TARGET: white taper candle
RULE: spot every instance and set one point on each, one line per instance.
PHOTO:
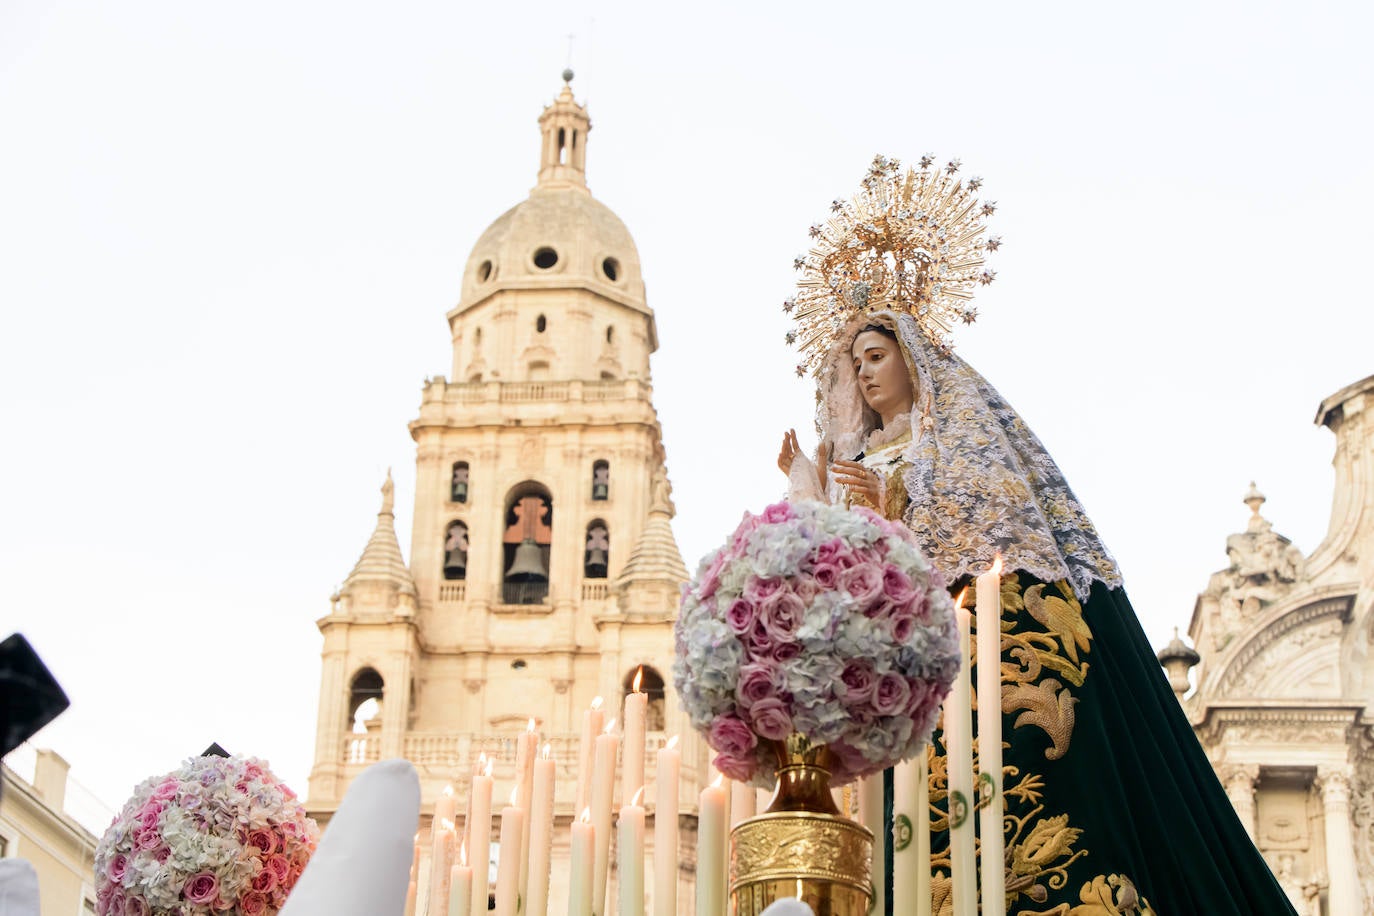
(541, 835)
(958, 721)
(665, 828)
(991, 865)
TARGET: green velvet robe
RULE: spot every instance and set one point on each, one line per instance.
(1111, 805)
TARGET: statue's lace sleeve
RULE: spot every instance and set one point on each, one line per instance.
(804, 481)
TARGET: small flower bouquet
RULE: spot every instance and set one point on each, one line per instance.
(220, 835)
(818, 621)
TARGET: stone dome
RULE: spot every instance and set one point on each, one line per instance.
(560, 236)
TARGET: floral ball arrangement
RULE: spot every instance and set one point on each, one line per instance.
(220, 835)
(817, 620)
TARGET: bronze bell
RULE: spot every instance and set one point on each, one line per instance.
(596, 563)
(528, 565)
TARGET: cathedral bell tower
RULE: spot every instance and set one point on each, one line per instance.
(543, 568)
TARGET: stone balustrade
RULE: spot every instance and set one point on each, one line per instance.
(445, 753)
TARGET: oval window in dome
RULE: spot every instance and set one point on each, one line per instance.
(611, 268)
(484, 271)
(545, 258)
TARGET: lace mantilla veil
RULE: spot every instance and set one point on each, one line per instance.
(979, 481)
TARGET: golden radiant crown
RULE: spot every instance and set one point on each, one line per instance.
(907, 242)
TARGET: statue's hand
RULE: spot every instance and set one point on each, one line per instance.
(790, 449)
(858, 479)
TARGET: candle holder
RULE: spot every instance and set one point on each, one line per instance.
(801, 845)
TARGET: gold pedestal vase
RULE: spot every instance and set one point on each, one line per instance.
(801, 845)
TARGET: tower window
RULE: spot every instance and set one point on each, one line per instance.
(545, 258)
(610, 333)
(456, 551)
(596, 556)
(366, 686)
(611, 268)
(526, 544)
(484, 271)
(541, 324)
(458, 486)
(601, 480)
(562, 146)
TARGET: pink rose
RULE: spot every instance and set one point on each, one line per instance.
(864, 584)
(806, 589)
(784, 652)
(280, 866)
(891, 694)
(759, 590)
(897, 585)
(771, 719)
(252, 904)
(778, 512)
(920, 607)
(148, 839)
(849, 559)
(760, 641)
(903, 624)
(740, 616)
(732, 736)
(740, 769)
(756, 682)
(264, 881)
(827, 552)
(781, 615)
(925, 695)
(263, 839)
(135, 906)
(855, 686)
(827, 574)
(118, 866)
(162, 853)
(166, 790)
(201, 889)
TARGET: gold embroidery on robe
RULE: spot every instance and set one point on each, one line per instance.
(1045, 665)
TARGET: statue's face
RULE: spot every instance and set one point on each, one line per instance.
(883, 377)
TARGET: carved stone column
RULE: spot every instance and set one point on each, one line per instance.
(1344, 891)
(1239, 780)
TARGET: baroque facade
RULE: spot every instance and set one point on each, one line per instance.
(1285, 677)
(543, 571)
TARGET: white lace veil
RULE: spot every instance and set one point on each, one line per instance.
(979, 481)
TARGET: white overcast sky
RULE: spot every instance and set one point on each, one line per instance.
(229, 233)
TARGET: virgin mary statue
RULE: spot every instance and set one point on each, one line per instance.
(1111, 805)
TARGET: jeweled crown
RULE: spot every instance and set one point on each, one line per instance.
(908, 242)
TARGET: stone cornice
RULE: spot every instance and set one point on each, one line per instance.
(1220, 716)
(20, 794)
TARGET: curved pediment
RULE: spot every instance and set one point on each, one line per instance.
(1294, 655)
